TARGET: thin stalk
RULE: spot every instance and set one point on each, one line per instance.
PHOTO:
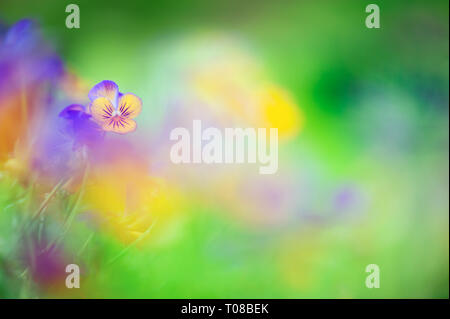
(72, 212)
(46, 201)
(126, 249)
(85, 244)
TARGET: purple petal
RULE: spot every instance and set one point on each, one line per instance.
(107, 89)
(72, 111)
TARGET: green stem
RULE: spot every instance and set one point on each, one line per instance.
(47, 200)
(72, 212)
(85, 244)
(126, 249)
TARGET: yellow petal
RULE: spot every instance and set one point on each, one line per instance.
(120, 125)
(102, 110)
(129, 106)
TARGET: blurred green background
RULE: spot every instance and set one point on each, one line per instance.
(375, 103)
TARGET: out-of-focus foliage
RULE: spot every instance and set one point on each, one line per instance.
(363, 153)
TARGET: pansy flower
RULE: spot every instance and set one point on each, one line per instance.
(112, 110)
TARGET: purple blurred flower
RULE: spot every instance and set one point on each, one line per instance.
(46, 264)
(64, 144)
(348, 200)
(79, 126)
(29, 73)
(26, 59)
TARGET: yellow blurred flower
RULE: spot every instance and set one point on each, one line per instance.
(127, 200)
(279, 110)
(235, 88)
